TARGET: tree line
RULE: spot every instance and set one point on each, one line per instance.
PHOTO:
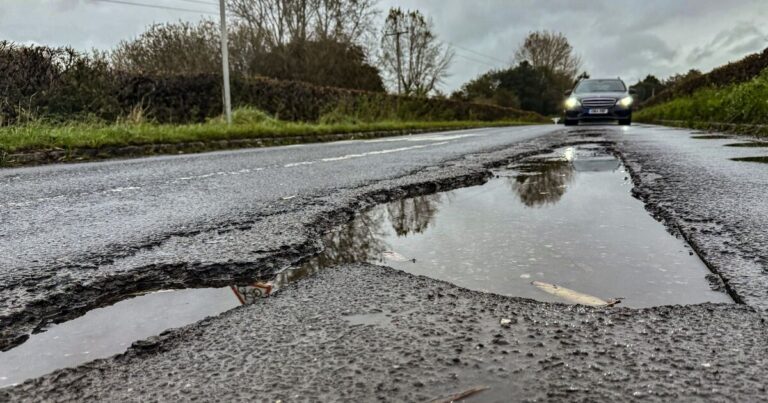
(546, 66)
(334, 43)
(337, 43)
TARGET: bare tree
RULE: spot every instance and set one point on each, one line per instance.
(171, 48)
(345, 20)
(550, 50)
(411, 54)
(279, 22)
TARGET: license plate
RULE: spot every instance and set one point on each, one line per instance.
(598, 111)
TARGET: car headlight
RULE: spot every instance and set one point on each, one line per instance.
(625, 102)
(571, 103)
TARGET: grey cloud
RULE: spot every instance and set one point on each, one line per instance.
(742, 39)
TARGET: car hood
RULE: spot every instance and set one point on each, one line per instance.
(616, 95)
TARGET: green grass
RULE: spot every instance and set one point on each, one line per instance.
(745, 104)
(247, 124)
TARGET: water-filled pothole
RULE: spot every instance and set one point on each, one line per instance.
(561, 227)
(567, 219)
(107, 331)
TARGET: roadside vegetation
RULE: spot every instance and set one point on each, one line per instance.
(248, 123)
(731, 98)
(682, 85)
(739, 108)
(297, 70)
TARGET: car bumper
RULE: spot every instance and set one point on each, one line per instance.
(583, 114)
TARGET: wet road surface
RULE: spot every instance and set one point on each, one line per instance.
(717, 202)
(99, 230)
(545, 344)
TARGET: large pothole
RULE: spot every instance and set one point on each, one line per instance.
(560, 227)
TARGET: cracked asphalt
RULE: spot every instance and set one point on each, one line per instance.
(80, 236)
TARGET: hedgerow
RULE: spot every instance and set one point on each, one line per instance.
(744, 103)
(59, 84)
(729, 74)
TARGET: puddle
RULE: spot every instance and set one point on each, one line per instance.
(750, 144)
(111, 330)
(566, 220)
(763, 160)
(711, 137)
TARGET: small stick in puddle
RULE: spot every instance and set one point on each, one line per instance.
(461, 395)
(396, 257)
(574, 296)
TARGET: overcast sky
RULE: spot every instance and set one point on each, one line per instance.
(627, 38)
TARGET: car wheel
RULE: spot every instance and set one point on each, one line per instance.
(570, 122)
(625, 122)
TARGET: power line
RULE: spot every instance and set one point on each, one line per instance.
(477, 61)
(129, 3)
(208, 3)
(478, 53)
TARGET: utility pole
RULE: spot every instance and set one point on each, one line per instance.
(225, 61)
(399, 57)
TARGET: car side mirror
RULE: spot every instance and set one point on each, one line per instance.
(632, 91)
(568, 93)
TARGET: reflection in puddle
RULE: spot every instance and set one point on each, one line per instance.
(565, 219)
(542, 183)
(763, 160)
(111, 330)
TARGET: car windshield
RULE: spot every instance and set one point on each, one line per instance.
(600, 86)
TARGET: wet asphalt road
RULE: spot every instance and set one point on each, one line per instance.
(68, 230)
(61, 213)
(68, 227)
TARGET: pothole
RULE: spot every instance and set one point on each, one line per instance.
(111, 330)
(560, 227)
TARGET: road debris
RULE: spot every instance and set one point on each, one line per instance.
(461, 395)
(395, 257)
(571, 295)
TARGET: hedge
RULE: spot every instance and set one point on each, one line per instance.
(731, 73)
(60, 84)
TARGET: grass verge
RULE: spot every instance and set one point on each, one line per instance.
(40, 137)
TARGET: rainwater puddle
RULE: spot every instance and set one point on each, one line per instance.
(564, 228)
(111, 330)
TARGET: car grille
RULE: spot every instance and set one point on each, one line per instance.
(598, 102)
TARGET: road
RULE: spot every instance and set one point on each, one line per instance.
(62, 222)
(77, 236)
